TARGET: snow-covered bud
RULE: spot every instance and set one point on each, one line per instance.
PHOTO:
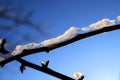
(45, 63)
(118, 18)
(78, 76)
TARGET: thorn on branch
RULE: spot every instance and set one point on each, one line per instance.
(22, 68)
(45, 64)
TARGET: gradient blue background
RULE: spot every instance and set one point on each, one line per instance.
(97, 57)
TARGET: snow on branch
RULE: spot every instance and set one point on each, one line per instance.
(78, 76)
(101, 24)
(98, 25)
(20, 48)
(70, 36)
(70, 33)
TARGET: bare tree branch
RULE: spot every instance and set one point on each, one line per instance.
(45, 70)
(49, 48)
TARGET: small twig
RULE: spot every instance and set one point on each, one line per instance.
(45, 70)
(2, 47)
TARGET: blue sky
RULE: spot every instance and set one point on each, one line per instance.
(97, 57)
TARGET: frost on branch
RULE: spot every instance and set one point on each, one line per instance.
(98, 25)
